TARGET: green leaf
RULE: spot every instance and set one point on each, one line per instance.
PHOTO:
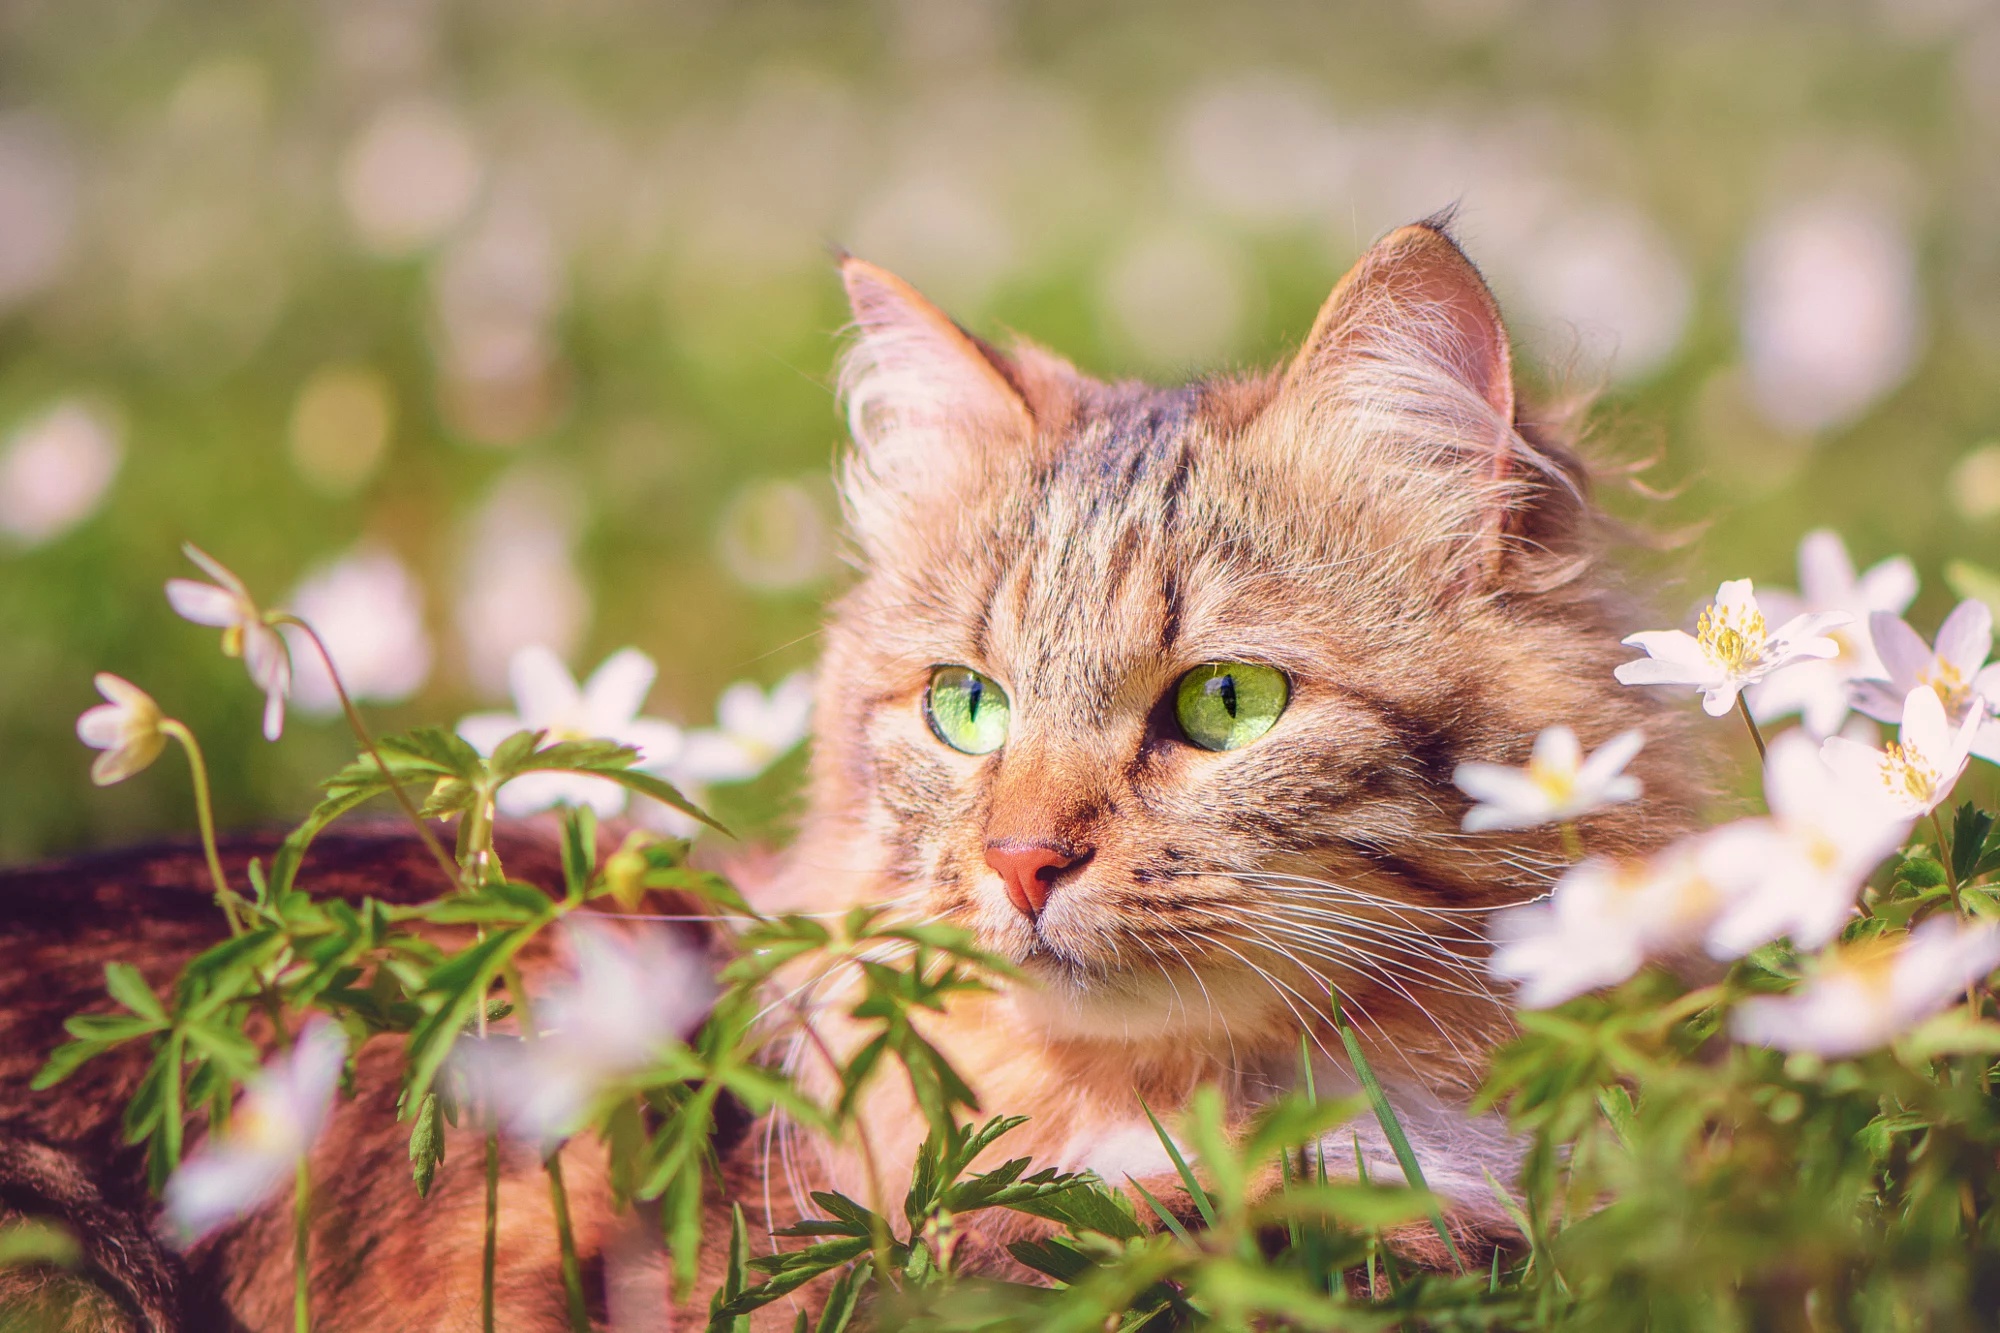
(130, 989)
(1970, 827)
(37, 1242)
(660, 790)
(1161, 1211)
(579, 849)
(1367, 1207)
(426, 1144)
(66, 1059)
(457, 986)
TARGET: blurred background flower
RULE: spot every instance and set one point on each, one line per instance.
(531, 302)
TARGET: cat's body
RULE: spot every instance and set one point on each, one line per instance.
(1377, 521)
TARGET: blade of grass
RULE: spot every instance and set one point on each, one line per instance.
(1172, 1223)
(1392, 1128)
(1201, 1200)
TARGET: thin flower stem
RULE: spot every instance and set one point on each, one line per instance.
(361, 734)
(301, 1249)
(492, 1249)
(225, 897)
(1944, 860)
(1743, 707)
(572, 1271)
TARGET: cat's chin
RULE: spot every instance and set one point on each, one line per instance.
(1068, 1001)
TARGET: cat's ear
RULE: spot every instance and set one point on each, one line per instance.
(922, 394)
(1407, 375)
(1414, 295)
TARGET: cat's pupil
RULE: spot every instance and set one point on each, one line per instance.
(1225, 686)
(973, 691)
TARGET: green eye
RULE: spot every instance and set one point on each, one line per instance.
(966, 710)
(1226, 705)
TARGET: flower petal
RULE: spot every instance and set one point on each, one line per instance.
(1557, 750)
(101, 727)
(1611, 757)
(544, 691)
(1905, 655)
(216, 570)
(617, 689)
(1965, 640)
(1826, 572)
(203, 603)
(484, 731)
(1925, 728)
(1888, 586)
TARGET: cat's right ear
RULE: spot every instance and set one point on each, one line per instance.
(925, 399)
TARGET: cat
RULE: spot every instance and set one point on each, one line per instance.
(1159, 692)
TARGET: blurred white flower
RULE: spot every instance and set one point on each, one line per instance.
(226, 604)
(1957, 671)
(774, 535)
(369, 610)
(521, 584)
(1820, 690)
(1831, 315)
(410, 177)
(127, 729)
(1732, 647)
(55, 471)
(1261, 148)
(1799, 871)
(756, 730)
(1601, 922)
(631, 995)
(1975, 479)
(1915, 772)
(1864, 995)
(271, 1129)
(606, 707)
(1558, 783)
(941, 231)
(1608, 277)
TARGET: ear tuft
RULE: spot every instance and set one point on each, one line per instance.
(1415, 294)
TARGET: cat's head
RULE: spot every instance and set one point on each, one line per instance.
(1160, 690)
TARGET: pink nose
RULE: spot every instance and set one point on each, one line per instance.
(1029, 871)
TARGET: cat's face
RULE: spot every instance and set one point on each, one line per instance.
(1161, 691)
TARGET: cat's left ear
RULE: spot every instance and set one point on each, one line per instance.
(1414, 296)
(1407, 369)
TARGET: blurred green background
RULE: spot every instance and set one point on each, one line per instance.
(527, 303)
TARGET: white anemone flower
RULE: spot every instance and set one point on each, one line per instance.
(1915, 772)
(605, 707)
(631, 996)
(1732, 647)
(1819, 690)
(227, 605)
(1601, 923)
(368, 609)
(1558, 783)
(127, 729)
(1863, 996)
(755, 731)
(270, 1131)
(1799, 872)
(1957, 670)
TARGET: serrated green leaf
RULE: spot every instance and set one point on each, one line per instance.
(426, 1144)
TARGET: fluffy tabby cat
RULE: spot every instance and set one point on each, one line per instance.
(1159, 691)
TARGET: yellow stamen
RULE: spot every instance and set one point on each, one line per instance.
(1948, 682)
(1905, 771)
(1733, 636)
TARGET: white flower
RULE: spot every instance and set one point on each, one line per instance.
(55, 470)
(1917, 770)
(1819, 690)
(273, 1126)
(369, 611)
(227, 605)
(1798, 872)
(127, 729)
(1864, 995)
(1956, 671)
(631, 995)
(756, 731)
(1731, 647)
(1558, 783)
(546, 698)
(1601, 922)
